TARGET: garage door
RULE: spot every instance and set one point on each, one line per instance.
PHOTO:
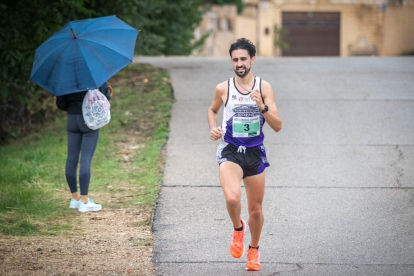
(312, 33)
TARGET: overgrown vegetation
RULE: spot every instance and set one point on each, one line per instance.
(166, 26)
(280, 37)
(238, 3)
(408, 53)
(126, 169)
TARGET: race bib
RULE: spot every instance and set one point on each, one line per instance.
(246, 126)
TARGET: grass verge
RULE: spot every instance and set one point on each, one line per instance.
(126, 168)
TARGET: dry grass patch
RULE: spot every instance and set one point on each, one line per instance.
(126, 173)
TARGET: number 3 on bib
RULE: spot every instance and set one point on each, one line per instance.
(246, 126)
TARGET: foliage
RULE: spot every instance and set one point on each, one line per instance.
(34, 196)
(395, 2)
(238, 3)
(166, 26)
(280, 38)
(408, 53)
(25, 25)
(172, 32)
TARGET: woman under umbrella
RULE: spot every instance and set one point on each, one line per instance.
(81, 141)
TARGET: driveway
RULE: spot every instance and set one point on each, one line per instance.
(339, 197)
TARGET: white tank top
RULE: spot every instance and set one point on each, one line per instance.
(242, 120)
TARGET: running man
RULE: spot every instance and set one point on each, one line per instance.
(248, 103)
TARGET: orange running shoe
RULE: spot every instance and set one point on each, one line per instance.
(237, 242)
(253, 260)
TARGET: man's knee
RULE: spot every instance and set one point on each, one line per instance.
(256, 212)
(233, 199)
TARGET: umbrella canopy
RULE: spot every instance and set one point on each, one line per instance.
(83, 55)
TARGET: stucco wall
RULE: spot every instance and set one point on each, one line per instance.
(246, 27)
(398, 31)
(366, 27)
(265, 29)
(356, 21)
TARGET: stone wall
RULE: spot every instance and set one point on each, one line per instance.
(220, 22)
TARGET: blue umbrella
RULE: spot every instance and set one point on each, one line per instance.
(83, 55)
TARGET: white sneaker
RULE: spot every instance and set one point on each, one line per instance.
(89, 207)
(74, 204)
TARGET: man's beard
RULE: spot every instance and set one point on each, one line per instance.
(246, 71)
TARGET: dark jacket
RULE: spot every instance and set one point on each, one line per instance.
(72, 103)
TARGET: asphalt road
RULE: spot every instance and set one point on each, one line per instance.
(340, 188)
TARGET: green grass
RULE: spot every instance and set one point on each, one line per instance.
(126, 168)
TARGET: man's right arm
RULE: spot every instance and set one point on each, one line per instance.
(215, 131)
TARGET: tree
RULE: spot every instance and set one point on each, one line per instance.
(26, 24)
(238, 3)
(280, 37)
(166, 26)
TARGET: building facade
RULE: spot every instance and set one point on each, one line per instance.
(312, 27)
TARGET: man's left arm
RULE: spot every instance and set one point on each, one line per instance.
(272, 115)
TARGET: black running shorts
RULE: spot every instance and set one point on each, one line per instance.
(253, 160)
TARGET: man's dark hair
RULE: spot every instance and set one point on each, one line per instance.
(245, 44)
